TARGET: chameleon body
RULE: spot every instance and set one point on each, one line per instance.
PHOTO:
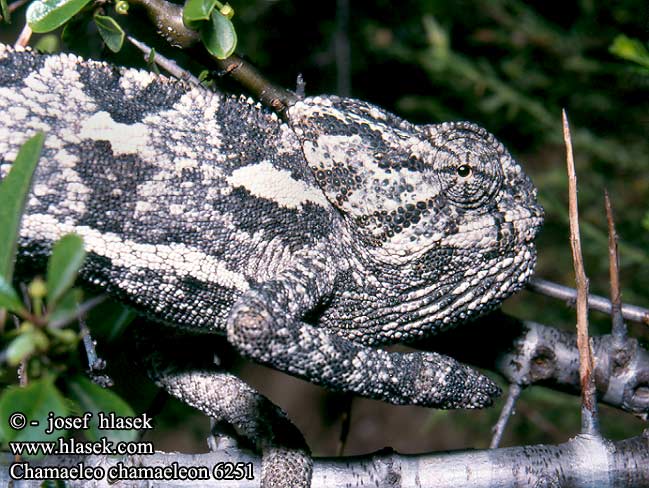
(307, 242)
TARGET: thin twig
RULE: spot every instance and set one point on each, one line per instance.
(168, 19)
(95, 363)
(589, 421)
(619, 327)
(13, 6)
(595, 302)
(23, 378)
(505, 414)
(24, 37)
(165, 63)
(277, 98)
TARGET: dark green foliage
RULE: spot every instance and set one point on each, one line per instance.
(67, 257)
(34, 401)
(4, 12)
(47, 15)
(110, 32)
(218, 36)
(13, 195)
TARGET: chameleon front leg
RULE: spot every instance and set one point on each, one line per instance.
(286, 459)
(266, 324)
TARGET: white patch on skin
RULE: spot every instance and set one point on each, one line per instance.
(287, 143)
(479, 233)
(123, 138)
(40, 190)
(176, 258)
(175, 209)
(135, 79)
(176, 133)
(64, 158)
(149, 193)
(143, 206)
(277, 185)
(36, 84)
(16, 114)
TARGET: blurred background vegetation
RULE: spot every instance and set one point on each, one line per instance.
(510, 66)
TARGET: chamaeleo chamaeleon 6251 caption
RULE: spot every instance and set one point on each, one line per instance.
(307, 242)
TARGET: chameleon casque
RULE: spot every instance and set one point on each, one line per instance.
(308, 241)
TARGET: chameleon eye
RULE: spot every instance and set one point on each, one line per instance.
(468, 167)
(464, 170)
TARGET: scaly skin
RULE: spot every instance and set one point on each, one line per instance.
(307, 242)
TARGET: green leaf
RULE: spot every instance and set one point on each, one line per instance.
(20, 348)
(631, 50)
(25, 345)
(195, 12)
(93, 398)
(14, 189)
(4, 11)
(40, 339)
(8, 297)
(63, 265)
(218, 36)
(110, 31)
(150, 61)
(34, 401)
(47, 15)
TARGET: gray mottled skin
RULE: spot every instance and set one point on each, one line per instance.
(307, 243)
(286, 460)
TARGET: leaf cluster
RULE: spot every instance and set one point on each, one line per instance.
(211, 18)
(44, 342)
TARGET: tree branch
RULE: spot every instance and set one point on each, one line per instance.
(528, 353)
(589, 417)
(595, 302)
(505, 414)
(167, 17)
(167, 64)
(619, 327)
(582, 461)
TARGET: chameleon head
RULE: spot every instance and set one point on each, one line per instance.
(444, 203)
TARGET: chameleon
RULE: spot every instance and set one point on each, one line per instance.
(309, 241)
